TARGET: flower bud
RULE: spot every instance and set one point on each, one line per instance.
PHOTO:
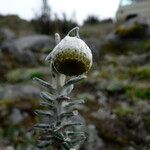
(71, 56)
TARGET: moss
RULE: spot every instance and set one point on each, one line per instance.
(37, 74)
(86, 96)
(124, 111)
(114, 87)
(135, 93)
(146, 120)
(1, 134)
(114, 47)
(18, 137)
(143, 93)
(125, 46)
(104, 74)
(136, 30)
(141, 72)
(7, 103)
(25, 74)
(142, 46)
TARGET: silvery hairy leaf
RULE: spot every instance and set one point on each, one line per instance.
(74, 80)
(48, 97)
(66, 90)
(45, 84)
(43, 113)
(43, 144)
(41, 126)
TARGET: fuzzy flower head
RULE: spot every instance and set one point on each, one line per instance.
(71, 56)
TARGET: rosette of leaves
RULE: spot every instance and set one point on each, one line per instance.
(63, 129)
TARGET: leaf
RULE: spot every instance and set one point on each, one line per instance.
(46, 138)
(66, 146)
(59, 136)
(63, 127)
(48, 97)
(74, 80)
(43, 113)
(43, 144)
(51, 106)
(67, 89)
(63, 98)
(78, 140)
(45, 84)
(68, 114)
(73, 104)
(70, 133)
(41, 126)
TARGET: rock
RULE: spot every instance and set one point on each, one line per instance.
(19, 92)
(6, 35)
(21, 51)
(27, 58)
(110, 37)
(93, 140)
(16, 117)
(136, 59)
(136, 28)
(138, 19)
(9, 148)
(13, 57)
(33, 42)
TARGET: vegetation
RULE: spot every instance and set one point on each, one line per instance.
(117, 90)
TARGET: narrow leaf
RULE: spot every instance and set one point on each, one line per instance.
(73, 104)
(63, 98)
(69, 133)
(63, 127)
(41, 126)
(68, 114)
(59, 136)
(78, 140)
(66, 90)
(48, 97)
(75, 80)
(51, 106)
(46, 138)
(43, 144)
(66, 146)
(44, 84)
(43, 113)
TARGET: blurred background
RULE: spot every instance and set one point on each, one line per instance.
(117, 90)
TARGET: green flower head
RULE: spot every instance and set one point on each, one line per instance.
(71, 56)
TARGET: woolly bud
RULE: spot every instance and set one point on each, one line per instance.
(71, 56)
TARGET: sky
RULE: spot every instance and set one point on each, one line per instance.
(77, 10)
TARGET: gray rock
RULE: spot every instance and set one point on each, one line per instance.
(33, 42)
(21, 51)
(93, 140)
(138, 19)
(136, 59)
(111, 37)
(17, 92)
(16, 116)
(6, 35)
(9, 148)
